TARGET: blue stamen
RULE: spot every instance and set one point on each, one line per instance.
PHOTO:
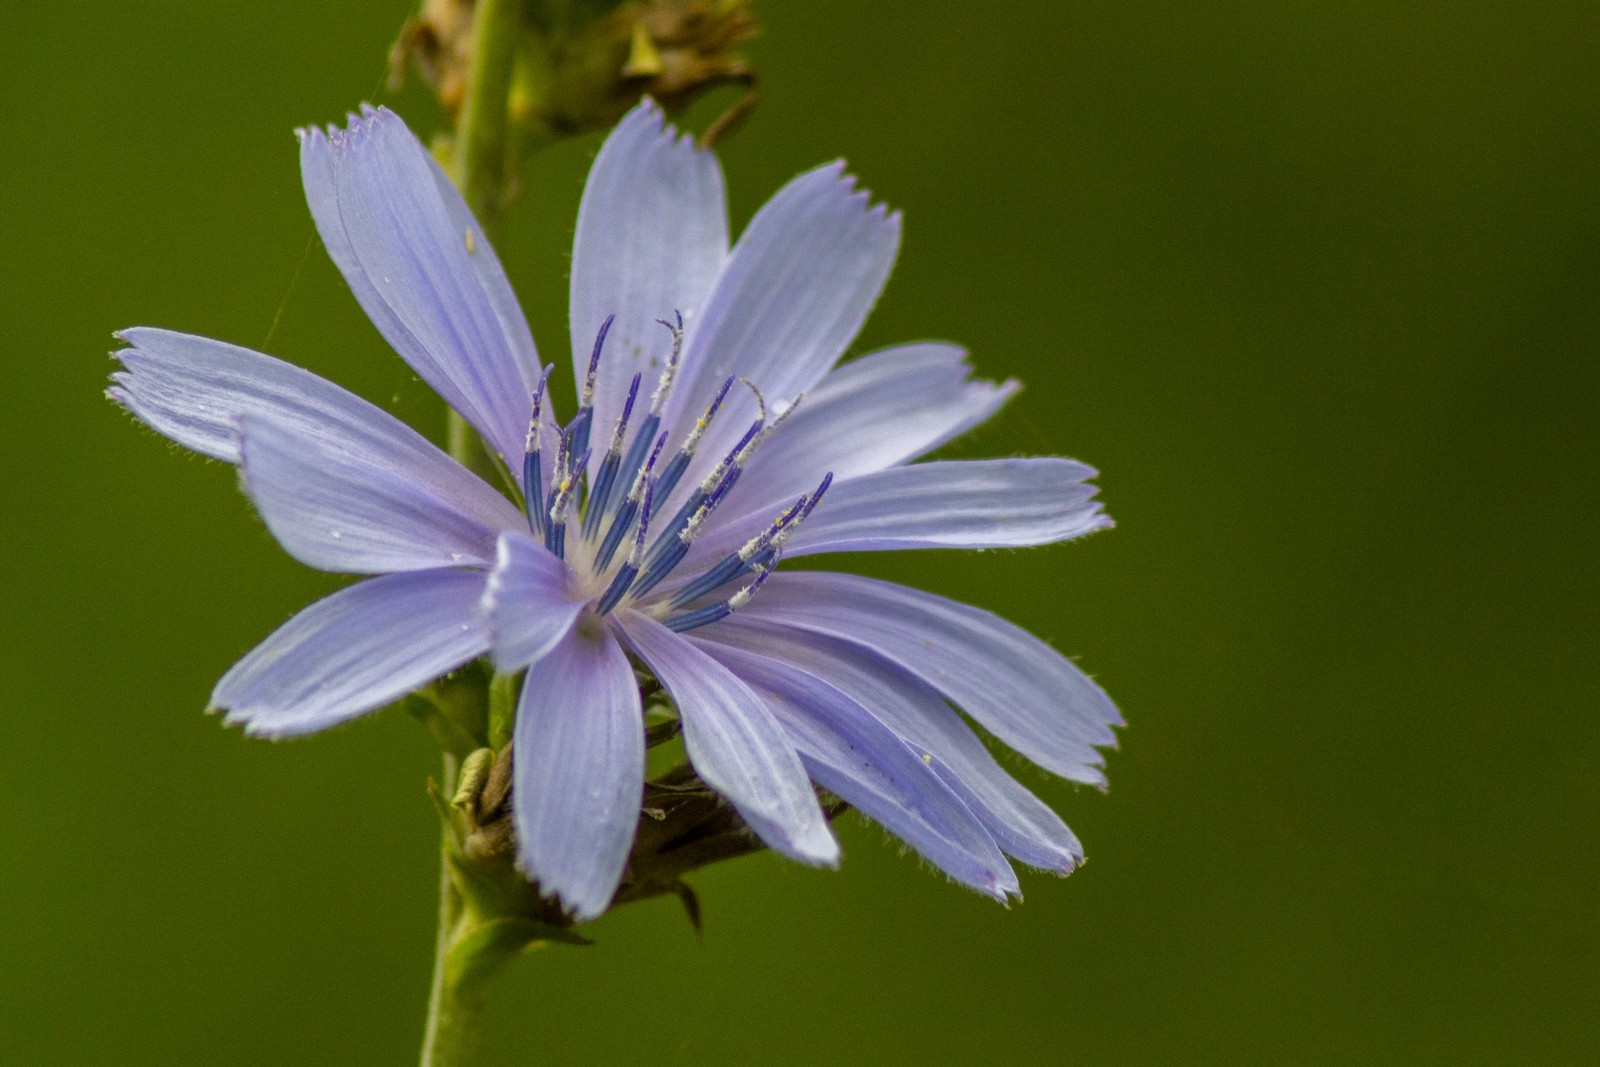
(757, 551)
(558, 472)
(680, 462)
(713, 485)
(533, 490)
(600, 495)
(630, 568)
(532, 474)
(731, 567)
(737, 563)
(585, 416)
(634, 461)
(673, 554)
(669, 373)
(562, 494)
(675, 468)
(577, 432)
(630, 505)
(675, 527)
(661, 566)
(722, 609)
(698, 617)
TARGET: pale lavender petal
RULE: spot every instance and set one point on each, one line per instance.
(492, 280)
(994, 503)
(652, 234)
(791, 297)
(578, 770)
(850, 752)
(422, 269)
(1012, 683)
(340, 511)
(529, 602)
(193, 390)
(735, 744)
(357, 650)
(972, 504)
(1022, 824)
(881, 410)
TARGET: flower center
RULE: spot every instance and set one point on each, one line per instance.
(618, 505)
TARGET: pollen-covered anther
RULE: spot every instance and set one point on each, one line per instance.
(532, 474)
(755, 552)
(681, 461)
(530, 443)
(770, 427)
(722, 609)
(635, 458)
(581, 423)
(562, 493)
(781, 536)
(586, 395)
(703, 423)
(761, 401)
(713, 487)
(669, 373)
(762, 540)
(620, 433)
(691, 529)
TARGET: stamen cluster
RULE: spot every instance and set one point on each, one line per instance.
(571, 496)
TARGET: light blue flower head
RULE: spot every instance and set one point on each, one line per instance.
(715, 433)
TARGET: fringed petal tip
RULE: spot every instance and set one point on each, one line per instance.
(648, 117)
(264, 723)
(365, 116)
(396, 229)
(261, 730)
(854, 193)
(1099, 519)
(1001, 893)
(999, 883)
(325, 137)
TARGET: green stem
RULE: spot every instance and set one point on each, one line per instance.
(478, 162)
(441, 1033)
(478, 168)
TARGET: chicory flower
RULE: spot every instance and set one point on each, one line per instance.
(715, 434)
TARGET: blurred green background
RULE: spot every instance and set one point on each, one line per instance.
(1313, 284)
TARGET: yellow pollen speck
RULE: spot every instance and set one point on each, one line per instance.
(472, 243)
(927, 757)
